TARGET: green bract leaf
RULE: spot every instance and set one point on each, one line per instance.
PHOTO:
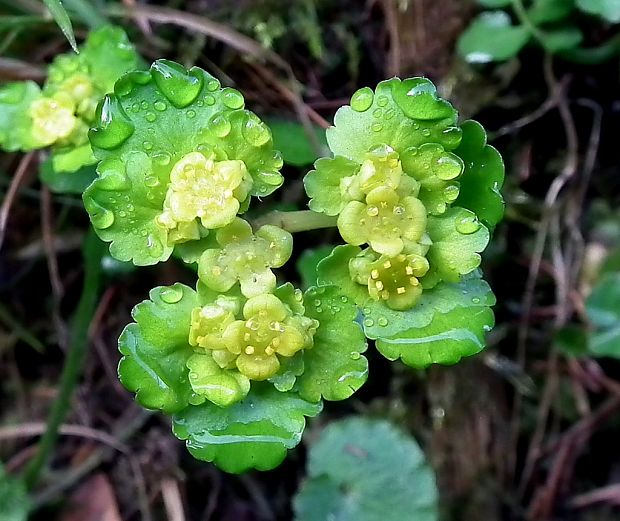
(13, 498)
(323, 183)
(253, 433)
(400, 114)
(367, 470)
(156, 349)
(290, 138)
(162, 132)
(492, 37)
(607, 9)
(603, 307)
(333, 368)
(457, 240)
(483, 176)
(15, 123)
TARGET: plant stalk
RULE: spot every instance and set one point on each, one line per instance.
(74, 362)
(298, 221)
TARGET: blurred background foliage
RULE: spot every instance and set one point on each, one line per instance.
(527, 430)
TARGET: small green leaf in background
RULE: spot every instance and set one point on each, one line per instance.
(14, 503)
(603, 308)
(494, 4)
(362, 469)
(307, 263)
(492, 37)
(548, 11)
(62, 19)
(562, 39)
(291, 139)
(607, 9)
(62, 182)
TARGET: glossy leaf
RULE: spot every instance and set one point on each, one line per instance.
(457, 240)
(334, 367)
(155, 349)
(156, 118)
(562, 39)
(254, 433)
(398, 113)
(492, 37)
(363, 469)
(603, 308)
(483, 176)
(334, 270)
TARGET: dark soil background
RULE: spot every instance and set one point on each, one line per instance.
(520, 432)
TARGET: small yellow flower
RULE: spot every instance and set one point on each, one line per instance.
(246, 258)
(53, 118)
(385, 221)
(204, 189)
(269, 330)
(394, 280)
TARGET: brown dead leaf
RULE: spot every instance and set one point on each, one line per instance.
(93, 501)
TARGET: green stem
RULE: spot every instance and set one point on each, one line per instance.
(299, 221)
(594, 55)
(76, 355)
(523, 17)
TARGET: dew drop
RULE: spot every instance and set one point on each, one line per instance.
(212, 85)
(101, 217)
(162, 158)
(382, 321)
(451, 192)
(232, 98)
(255, 132)
(377, 113)
(114, 128)
(171, 295)
(112, 180)
(150, 117)
(376, 127)
(369, 322)
(191, 114)
(180, 86)
(147, 145)
(344, 299)
(355, 355)
(475, 300)
(362, 99)
(426, 132)
(160, 106)
(220, 125)
(467, 225)
(209, 100)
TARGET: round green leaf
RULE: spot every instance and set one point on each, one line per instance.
(483, 176)
(400, 114)
(334, 270)
(254, 433)
(334, 367)
(363, 469)
(155, 349)
(492, 38)
(152, 120)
